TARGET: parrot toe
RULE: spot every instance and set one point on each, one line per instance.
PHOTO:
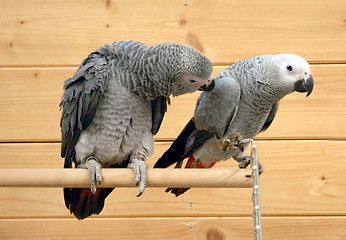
(140, 169)
(94, 168)
(231, 144)
(245, 162)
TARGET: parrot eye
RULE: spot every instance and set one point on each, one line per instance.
(289, 68)
(192, 81)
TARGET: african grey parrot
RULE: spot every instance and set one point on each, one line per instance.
(243, 103)
(113, 105)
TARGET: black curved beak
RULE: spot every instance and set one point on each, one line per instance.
(209, 87)
(304, 85)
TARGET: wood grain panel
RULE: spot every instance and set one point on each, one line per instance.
(30, 103)
(303, 188)
(46, 33)
(300, 178)
(29, 99)
(307, 228)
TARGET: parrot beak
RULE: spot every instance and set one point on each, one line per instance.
(208, 87)
(304, 85)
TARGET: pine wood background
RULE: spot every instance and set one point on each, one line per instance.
(303, 188)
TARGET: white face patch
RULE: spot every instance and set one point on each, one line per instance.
(191, 81)
(188, 84)
(291, 69)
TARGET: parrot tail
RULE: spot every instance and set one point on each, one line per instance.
(191, 163)
(82, 203)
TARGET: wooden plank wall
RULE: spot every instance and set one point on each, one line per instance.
(303, 188)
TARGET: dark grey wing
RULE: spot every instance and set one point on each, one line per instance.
(158, 110)
(196, 140)
(271, 116)
(177, 149)
(188, 140)
(216, 109)
(81, 96)
(213, 113)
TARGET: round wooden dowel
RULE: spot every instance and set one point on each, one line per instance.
(208, 178)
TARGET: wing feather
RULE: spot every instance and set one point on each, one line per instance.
(177, 150)
(270, 117)
(213, 113)
(215, 109)
(81, 96)
(158, 108)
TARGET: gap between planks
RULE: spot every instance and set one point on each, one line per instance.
(168, 140)
(215, 64)
(235, 216)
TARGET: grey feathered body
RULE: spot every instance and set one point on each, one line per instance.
(121, 125)
(256, 97)
(115, 103)
(245, 100)
(116, 95)
(123, 114)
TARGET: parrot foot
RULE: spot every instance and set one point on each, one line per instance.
(140, 169)
(260, 168)
(232, 143)
(94, 168)
(244, 162)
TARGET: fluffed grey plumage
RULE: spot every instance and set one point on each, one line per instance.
(244, 102)
(113, 105)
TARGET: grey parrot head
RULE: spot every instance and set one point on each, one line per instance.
(192, 70)
(292, 73)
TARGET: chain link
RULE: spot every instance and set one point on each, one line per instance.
(256, 192)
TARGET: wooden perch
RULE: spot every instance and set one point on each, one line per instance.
(47, 177)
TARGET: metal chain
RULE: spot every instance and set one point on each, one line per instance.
(256, 192)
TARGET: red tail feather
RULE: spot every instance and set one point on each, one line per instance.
(82, 203)
(191, 163)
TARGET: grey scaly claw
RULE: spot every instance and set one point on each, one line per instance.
(140, 170)
(141, 190)
(94, 169)
(135, 166)
(98, 173)
(245, 162)
(231, 144)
